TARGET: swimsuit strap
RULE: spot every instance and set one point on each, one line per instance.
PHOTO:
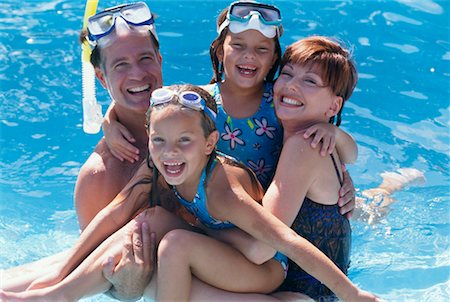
(336, 169)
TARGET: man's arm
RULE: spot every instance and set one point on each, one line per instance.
(132, 274)
(98, 183)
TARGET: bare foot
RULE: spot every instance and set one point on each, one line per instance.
(376, 203)
(392, 182)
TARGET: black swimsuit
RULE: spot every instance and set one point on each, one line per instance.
(328, 230)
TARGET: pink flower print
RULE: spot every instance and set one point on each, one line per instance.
(263, 128)
(232, 136)
(260, 168)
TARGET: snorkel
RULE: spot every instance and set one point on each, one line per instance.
(92, 111)
(102, 29)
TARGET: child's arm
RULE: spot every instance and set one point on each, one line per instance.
(259, 223)
(245, 213)
(106, 222)
(118, 138)
(332, 136)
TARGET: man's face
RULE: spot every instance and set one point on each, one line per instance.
(131, 70)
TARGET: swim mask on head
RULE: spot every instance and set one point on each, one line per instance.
(189, 99)
(135, 17)
(246, 15)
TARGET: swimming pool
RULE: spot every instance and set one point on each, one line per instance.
(399, 115)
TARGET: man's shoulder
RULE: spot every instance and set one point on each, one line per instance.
(101, 163)
(98, 159)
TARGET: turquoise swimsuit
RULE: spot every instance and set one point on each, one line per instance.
(256, 141)
(197, 207)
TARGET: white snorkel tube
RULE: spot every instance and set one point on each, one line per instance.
(92, 111)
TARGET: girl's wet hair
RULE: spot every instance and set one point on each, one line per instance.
(218, 43)
(330, 60)
(208, 125)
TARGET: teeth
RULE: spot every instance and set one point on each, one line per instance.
(291, 101)
(252, 68)
(173, 171)
(173, 164)
(173, 167)
(139, 88)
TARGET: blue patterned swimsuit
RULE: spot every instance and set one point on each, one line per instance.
(198, 208)
(256, 141)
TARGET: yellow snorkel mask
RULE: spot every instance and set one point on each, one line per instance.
(92, 111)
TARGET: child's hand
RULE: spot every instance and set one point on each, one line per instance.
(325, 133)
(119, 141)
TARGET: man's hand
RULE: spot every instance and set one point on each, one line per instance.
(347, 194)
(132, 274)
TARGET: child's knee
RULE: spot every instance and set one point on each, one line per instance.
(173, 245)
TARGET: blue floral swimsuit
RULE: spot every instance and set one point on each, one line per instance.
(256, 141)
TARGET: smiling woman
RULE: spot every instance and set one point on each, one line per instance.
(398, 116)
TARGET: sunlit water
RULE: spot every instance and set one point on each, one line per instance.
(399, 116)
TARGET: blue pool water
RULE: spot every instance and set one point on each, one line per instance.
(399, 116)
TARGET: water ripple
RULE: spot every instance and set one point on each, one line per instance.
(426, 6)
(405, 48)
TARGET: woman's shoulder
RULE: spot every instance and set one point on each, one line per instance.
(296, 140)
(296, 146)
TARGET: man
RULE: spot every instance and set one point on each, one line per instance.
(127, 63)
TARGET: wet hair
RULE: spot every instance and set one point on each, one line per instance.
(331, 60)
(218, 43)
(208, 125)
(96, 55)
